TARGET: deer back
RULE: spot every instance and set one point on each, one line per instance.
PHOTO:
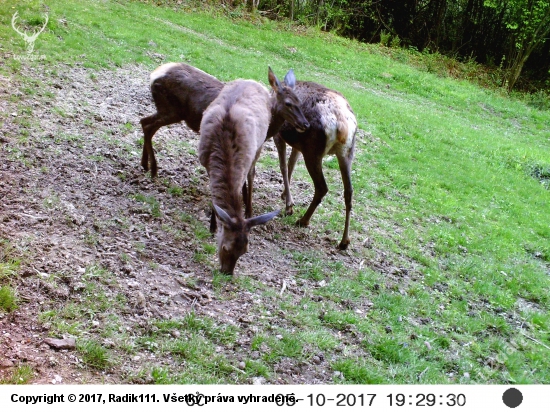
(186, 88)
(329, 115)
(233, 130)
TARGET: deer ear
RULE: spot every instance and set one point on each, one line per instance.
(262, 219)
(222, 215)
(273, 81)
(290, 79)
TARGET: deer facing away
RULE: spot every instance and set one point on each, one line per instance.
(180, 92)
(233, 129)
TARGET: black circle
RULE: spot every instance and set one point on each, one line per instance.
(512, 398)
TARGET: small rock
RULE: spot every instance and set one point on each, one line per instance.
(428, 345)
(389, 329)
(337, 374)
(466, 375)
(69, 343)
(322, 283)
(175, 333)
(258, 380)
(79, 286)
(242, 365)
(316, 360)
(6, 363)
(279, 337)
(140, 300)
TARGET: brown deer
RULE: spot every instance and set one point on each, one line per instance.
(332, 131)
(180, 92)
(232, 132)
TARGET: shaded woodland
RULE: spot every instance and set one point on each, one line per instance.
(506, 34)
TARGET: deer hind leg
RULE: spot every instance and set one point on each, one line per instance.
(314, 165)
(148, 132)
(345, 169)
(150, 125)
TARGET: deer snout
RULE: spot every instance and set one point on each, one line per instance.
(302, 127)
(228, 267)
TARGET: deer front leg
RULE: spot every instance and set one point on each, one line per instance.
(314, 166)
(281, 150)
(247, 194)
(213, 222)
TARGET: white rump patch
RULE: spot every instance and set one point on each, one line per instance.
(161, 71)
(336, 115)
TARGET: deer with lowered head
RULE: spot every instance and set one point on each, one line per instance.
(233, 129)
(182, 92)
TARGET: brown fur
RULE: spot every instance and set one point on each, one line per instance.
(332, 131)
(233, 130)
(181, 93)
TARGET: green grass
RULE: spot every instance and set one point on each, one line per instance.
(9, 268)
(8, 299)
(450, 190)
(21, 375)
(94, 354)
(153, 204)
(197, 345)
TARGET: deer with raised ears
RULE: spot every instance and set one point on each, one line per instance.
(232, 132)
(181, 93)
(28, 39)
(332, 131)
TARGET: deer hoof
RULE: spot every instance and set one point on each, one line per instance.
(301, 223)
(343, 245)
(289, 211)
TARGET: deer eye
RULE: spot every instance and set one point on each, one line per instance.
(288, 104)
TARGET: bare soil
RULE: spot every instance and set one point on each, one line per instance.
(69, 174)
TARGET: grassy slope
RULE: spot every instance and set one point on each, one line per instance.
(443, 185)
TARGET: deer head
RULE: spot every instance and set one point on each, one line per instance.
(288, 105)
(28, 39)
(233, 236)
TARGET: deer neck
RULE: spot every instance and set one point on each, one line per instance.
(276, 119)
